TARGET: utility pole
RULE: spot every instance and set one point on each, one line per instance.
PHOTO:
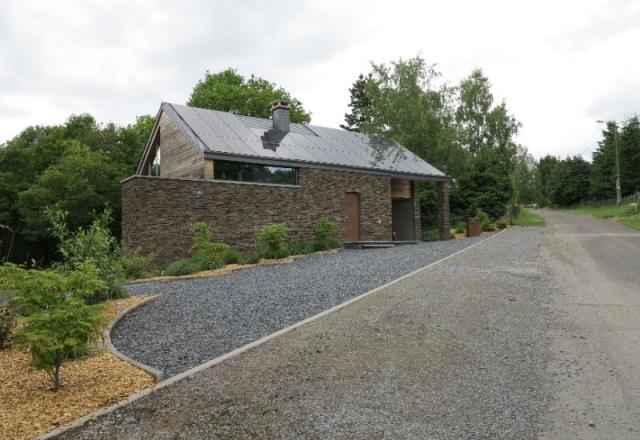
(618, 189)
(615, 141)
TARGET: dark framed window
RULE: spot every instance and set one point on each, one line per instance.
(249, 172)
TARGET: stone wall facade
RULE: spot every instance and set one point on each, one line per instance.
(157, 213)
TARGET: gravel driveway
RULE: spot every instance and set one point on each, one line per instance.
(199, 319)
(458, 351)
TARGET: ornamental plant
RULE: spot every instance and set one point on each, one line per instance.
(205, 253)
(272, 240)
(325, 234)
(59, 334)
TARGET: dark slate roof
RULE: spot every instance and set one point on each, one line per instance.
(223, 135)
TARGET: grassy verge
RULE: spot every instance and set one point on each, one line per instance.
(621, 214)
(528, 218)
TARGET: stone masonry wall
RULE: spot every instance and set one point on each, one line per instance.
(157, 213)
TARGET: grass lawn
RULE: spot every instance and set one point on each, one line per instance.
(528, 218)
(620, 214)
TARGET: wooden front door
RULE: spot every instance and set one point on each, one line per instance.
(352, 217)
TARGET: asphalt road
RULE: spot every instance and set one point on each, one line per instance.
(595, 265)
(533, 333)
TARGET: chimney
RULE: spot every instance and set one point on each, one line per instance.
(280, 112)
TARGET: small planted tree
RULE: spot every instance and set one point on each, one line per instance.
(325, 234)
(272, 240)
(59, 334)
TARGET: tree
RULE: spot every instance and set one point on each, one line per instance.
(67, 164)
(231, 92)
(82, 182)
(602, 184)
(489, 133)
(544, 170)
(361, 105)
(401, 100)
(568, 183)
(59, 334)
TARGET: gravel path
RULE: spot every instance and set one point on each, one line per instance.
(199, 319)
(459, 351)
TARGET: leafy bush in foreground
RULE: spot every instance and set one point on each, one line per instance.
(325, 234)
(272, 240)
(57, 335)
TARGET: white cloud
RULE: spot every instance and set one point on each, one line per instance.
(559, 65)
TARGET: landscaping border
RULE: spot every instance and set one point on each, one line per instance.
(178, 377)
(106, 340)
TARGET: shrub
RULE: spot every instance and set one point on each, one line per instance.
(501, 223)
(57, 335)
(85, 283)
(430, 235)
(232, 256)
(300, 248)
(485, 221)
(96, 243)
(11, 275)
(251, 257)
(271, 240)
(7, 324)
(325, 234)
(137, 266)
(205, 253)
(460, 229)
(40, 290)
(181, 267)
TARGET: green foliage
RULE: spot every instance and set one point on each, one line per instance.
(528, 218)
(182, 267)
(77, 166)
(7, 324)
(272, 240)
(205, 253)
(325, 234)
(232, 256)
(301, 248)
(11, 275)
(501, 223)
(568, 183)
(95, 243)
(543, 175)
(485, 221)
(430, 234)
(460, 229)
(138, 266)
(40, 290)
(59, 334)
(231, 92)
(85, 282)
(251, 257)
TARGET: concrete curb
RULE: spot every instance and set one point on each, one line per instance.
(177, 378)
(106, 339)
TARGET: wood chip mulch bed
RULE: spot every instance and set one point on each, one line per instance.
(28, 406)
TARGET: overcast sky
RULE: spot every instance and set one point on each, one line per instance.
(559, 65)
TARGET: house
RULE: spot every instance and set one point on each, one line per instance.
(238, 173)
